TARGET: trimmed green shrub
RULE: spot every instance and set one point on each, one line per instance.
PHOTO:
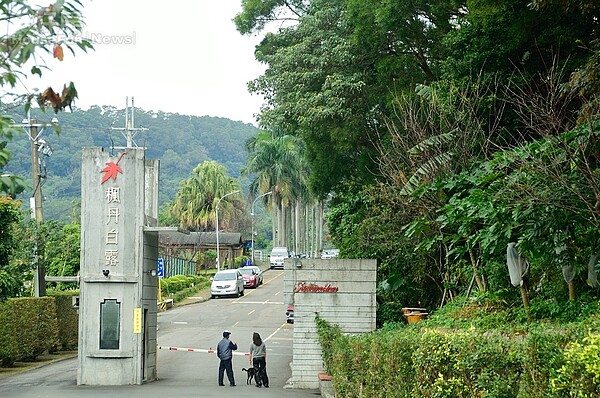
(197, 286)
(68, 319)
(35, 321)
(8, 339)
(170, 287)
(28, 329)
(417, 361)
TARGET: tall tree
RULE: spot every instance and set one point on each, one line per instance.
(14, 269)
(314, 89)
(194, 205)
(277, 164)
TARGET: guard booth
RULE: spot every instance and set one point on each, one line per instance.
(118, 282)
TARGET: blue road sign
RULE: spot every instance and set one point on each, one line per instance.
(160, 268)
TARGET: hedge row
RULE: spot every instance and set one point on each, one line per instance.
(28, 328)
(68, 320)
(177, 283)
(32, 326)
(412, 362)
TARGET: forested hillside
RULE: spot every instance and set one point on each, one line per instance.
(180, 142)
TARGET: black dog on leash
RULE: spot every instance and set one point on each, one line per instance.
(251, 375)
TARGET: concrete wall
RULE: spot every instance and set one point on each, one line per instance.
(149, 297)
(339, 291)
(112, 238)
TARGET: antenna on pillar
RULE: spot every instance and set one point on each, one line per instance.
(129, 131)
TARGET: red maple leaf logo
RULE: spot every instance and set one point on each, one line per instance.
(111, 170)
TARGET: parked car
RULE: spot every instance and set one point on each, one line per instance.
(290, 314)
(252, 276)
(329, 254)
(228, 282)
(278, 256)
(303, 255)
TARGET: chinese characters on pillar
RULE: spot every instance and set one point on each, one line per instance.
(111, 238)
(113, 208)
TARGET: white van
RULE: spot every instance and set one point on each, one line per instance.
(278, 256)
(228, 282)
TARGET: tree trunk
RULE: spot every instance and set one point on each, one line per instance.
(525, 298)
(319, 242)
(280, 224)
(571, 286)
(475, 264)
(313, 229)
(289, 227)
(274, 222)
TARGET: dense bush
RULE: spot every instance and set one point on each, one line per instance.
(437, 362)
(176, 287)
(580, 373)
(68, 319)
(38, 317)
(29, 328)
(8, 339)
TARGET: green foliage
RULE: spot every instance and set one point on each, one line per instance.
(31, 326)
(465, 166)
(190, 291)
(9, 217)
(68, 319)
(328, 333)
(240, 261)
(195, 203)
(62, 251)
(8, 339)
(579, 376)
(428, 361)
(277, 165)
(35, 322)
(36, 31)
(463, 364)
(257, 13)
(530, 37)
(176, 285)
(389, 312)
(16, 246)
(314, 89)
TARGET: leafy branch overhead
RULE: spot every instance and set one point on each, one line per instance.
(34, 32)
(58, 102)
(52, 30)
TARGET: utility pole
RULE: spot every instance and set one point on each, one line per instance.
(129, 131)
(39, 277)
(36, 198)
(38, 147)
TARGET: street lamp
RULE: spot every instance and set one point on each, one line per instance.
(39, 146)
(252, 214)
(217, 227)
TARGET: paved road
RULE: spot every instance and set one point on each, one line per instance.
(191, 374)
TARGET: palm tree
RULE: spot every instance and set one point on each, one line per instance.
(279, 166)
(195, 202)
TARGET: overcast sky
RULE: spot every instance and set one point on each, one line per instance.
(180, 56)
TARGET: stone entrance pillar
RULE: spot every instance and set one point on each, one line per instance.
(117, 309)
(340, 291)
